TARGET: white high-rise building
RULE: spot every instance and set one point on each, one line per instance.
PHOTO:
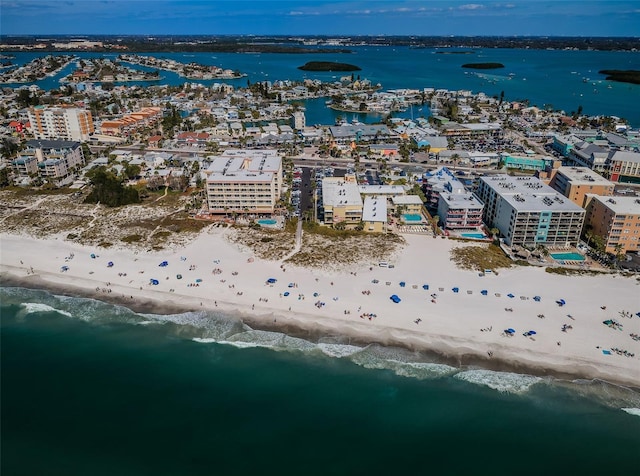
(245, 182)
(66, 123)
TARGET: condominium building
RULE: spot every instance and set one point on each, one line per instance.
(145, 117)
(576, 182)
(616, 220)
(299, 120)
(374, 214)
(341, 201)
(438, 182)
(244, 181)
(527, 212)
(65, 123)
(460, 211)
(53, 160)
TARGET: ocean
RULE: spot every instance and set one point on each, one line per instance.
(554, 78)
(93, 388)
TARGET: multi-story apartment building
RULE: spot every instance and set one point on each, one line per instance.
(244, 182)
(616, 220)
(438, 182)
(576, 182)
(342, 202)
(528, 212)
(65, 123)
(299, 120)
(460, 211)
(624, 166)
(145, 117)
(53, 160)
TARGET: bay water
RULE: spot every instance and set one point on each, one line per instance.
(94, 388)
(559, 79)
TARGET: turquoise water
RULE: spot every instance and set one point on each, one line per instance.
(266, 221)
(93, 388)
(412, 217)
(567, 256)
(478, 236)
(545, 77)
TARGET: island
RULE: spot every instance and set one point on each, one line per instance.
(622, 76)
(328, 66)
(483, 65)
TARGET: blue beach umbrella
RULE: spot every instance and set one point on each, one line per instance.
(425, 287)
(484, 292)
(402, 284)
(395, 298)
(510, 295)
(455, 290)
(163, 264)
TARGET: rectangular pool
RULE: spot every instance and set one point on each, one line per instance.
(412, 217)
(476, 236)
(567, 256)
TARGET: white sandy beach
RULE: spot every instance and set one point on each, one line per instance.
(465, 326)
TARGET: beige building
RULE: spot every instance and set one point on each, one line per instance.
(341, 201)
(65, 123)
(54, 160)
(374, 214)
(576, 182)
(617, 220)
(132, 122)
(245, 182)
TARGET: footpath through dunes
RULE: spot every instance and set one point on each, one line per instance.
(450, 317)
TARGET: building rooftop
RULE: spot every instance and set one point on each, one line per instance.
(338, 193)
(583, 176)
(381, 189)
(236, 160)
(620, 205)
(624, 156)
(52, 144)
(374, 209)
(461, 200)
(406, 200)
(529, 194)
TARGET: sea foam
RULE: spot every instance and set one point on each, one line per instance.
(33, 307)
(504, 382)
(632, 411)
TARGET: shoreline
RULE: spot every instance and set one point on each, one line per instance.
(445, 337)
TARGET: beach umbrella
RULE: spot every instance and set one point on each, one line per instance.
(272, 280)
(455, 290)
(402, 284)
(536, 298)
(395, 298)
(425, 287)
(93, 255)
(290, 285)
(179, 276)
(561, 302)
(163, 264)
(110, 264)
(286, 293)
(484, 292)
(510, 295)
(198, 280)
(532, 333)
(155, 282)
(510, 331)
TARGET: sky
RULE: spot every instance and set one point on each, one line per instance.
(322, 17)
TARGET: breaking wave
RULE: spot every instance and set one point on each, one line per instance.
(504, 382)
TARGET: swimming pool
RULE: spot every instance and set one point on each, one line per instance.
(266, 221)
(477, 236)
(567, 256)
(414, 217)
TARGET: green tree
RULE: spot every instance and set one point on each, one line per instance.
(109, 190)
